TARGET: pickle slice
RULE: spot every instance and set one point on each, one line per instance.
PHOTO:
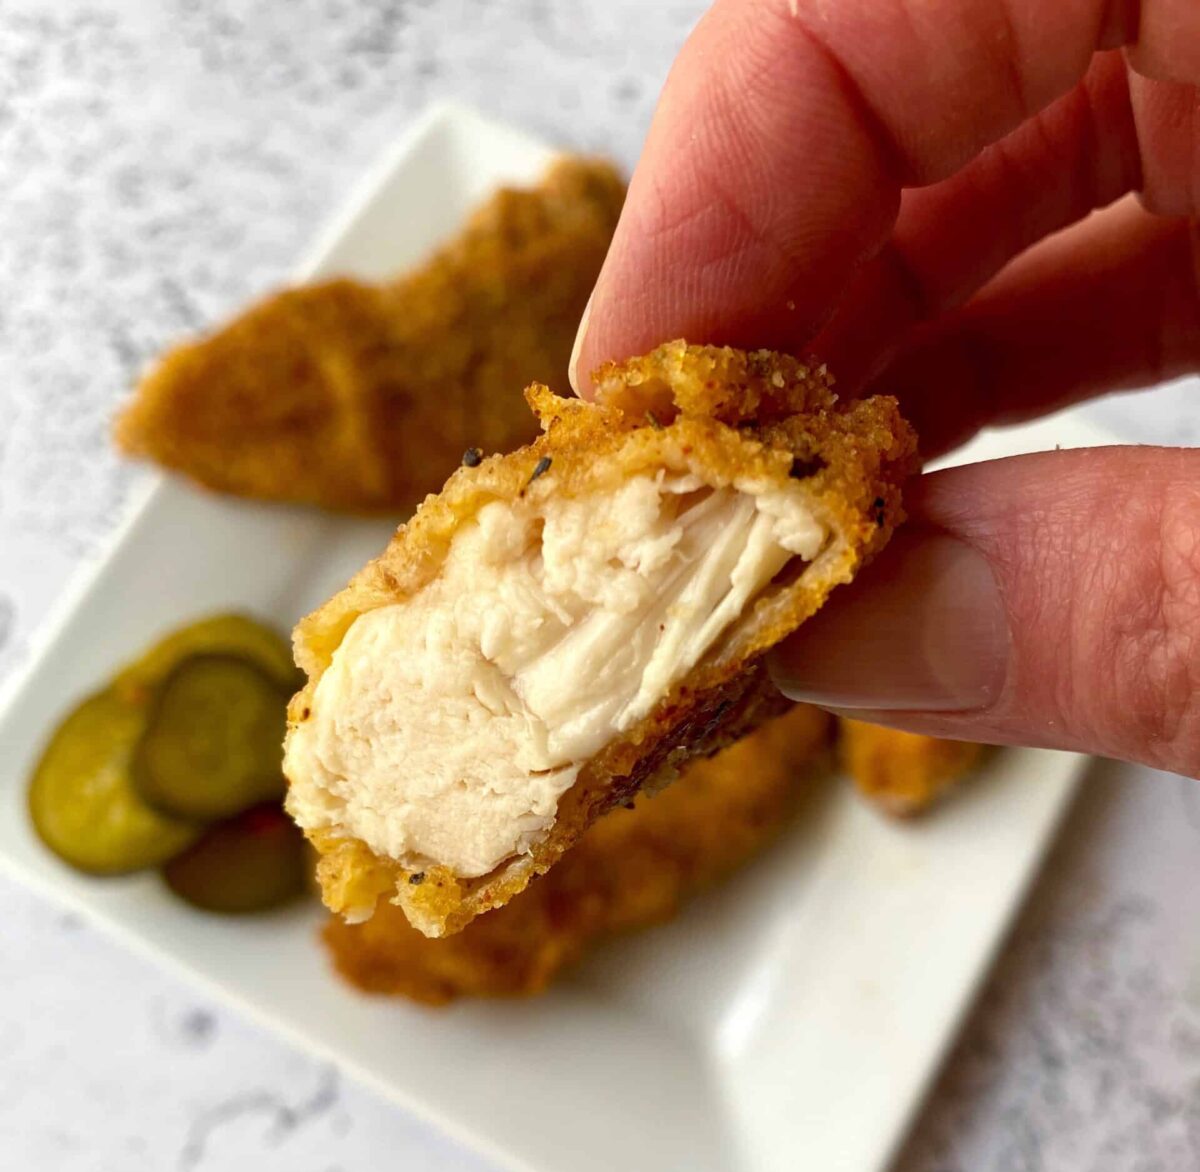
(82, 799)
(214, 743)
(222, 634)
(250, 863)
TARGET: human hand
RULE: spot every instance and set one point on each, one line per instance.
(908, 190)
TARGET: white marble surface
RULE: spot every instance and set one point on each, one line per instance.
(161, 161)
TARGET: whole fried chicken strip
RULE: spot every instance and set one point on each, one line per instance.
(362, 397)
(566, 625)
(902, 773)
(631, 869)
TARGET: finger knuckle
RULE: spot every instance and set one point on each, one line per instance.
(1155, 637)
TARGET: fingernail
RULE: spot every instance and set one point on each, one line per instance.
(922, 629)
(573, 365)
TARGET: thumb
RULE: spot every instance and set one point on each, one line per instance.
(1049, 600)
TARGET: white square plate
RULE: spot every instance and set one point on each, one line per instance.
(791, 1019)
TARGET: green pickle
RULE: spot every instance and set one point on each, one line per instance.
(177, 764)
(251, 863)
(222, 634)
(213, 743)
(82, 800)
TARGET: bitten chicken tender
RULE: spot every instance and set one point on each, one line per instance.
(903, 773)
(631, 869)
(566, 625)
(362, 397)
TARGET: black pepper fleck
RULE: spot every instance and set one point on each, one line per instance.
(472, 457)
(541, 468)
(417, 878)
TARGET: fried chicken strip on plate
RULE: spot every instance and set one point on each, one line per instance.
(903, 773)
(632, 868)
(357, 396)
(564, 626)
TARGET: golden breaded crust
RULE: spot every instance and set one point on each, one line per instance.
(631, 869)
(719, 413)
(903, 773)
(362, 397)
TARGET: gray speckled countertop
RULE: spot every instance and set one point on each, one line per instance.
(160, 162)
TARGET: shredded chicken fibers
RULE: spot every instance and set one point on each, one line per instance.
(449, 725)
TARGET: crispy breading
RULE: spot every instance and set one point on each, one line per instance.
(631, 869)
(903, 773)
(362, 397)
(719, 414)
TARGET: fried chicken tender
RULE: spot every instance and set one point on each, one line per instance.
(566, 625)
(903, 773)
(631, 869)
(362, 397)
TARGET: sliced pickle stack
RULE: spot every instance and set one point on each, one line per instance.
(213, 740)
(248, 863)
(177, 764)
(82, 799)
(222, 634)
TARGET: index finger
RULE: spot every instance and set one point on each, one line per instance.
(783, 137)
